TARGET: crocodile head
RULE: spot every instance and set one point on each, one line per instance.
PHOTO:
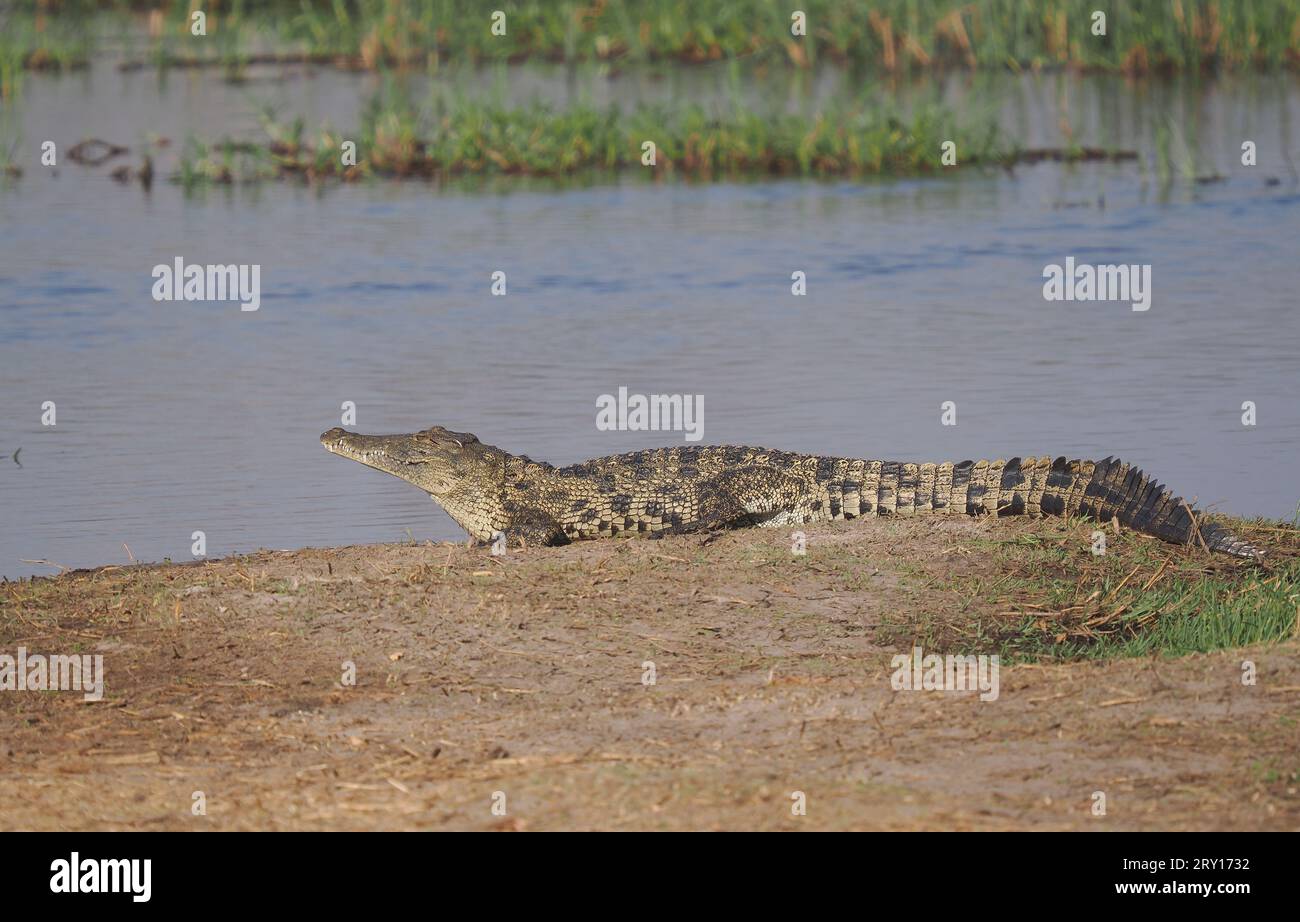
(461, 473)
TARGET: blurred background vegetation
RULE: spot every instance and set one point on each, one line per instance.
(892, 35)
(863, 131)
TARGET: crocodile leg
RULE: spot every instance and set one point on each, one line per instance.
(759, 496)
(531, 527)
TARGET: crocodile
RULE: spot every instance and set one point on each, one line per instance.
(490, 492)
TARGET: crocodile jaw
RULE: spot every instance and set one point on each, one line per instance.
(461, 474)
(418, 461)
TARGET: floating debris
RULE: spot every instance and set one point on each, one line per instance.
(125, 174)
(93, 152)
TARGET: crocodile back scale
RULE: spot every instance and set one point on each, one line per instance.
(691, 488)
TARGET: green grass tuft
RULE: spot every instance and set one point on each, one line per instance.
(1043, 597)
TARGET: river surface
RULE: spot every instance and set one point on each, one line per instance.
(174, 417)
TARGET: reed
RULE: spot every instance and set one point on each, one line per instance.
(888, 35)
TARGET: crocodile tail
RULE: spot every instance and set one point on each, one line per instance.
(1103, 490)
(1218, 538)
(1111, 489)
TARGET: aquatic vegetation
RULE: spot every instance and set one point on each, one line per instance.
(889, 35)
(34, 41)
(399, 140)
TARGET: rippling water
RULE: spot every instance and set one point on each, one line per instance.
(175, 417)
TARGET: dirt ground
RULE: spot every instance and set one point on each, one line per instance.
(517, 681)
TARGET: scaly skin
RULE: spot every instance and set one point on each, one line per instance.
(691, 488)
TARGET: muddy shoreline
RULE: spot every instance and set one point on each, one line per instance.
(518, 681)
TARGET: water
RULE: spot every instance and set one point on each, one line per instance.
(178, 417)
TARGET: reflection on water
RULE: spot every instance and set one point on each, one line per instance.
(175, 417)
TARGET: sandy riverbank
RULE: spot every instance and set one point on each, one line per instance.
(523, 675)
